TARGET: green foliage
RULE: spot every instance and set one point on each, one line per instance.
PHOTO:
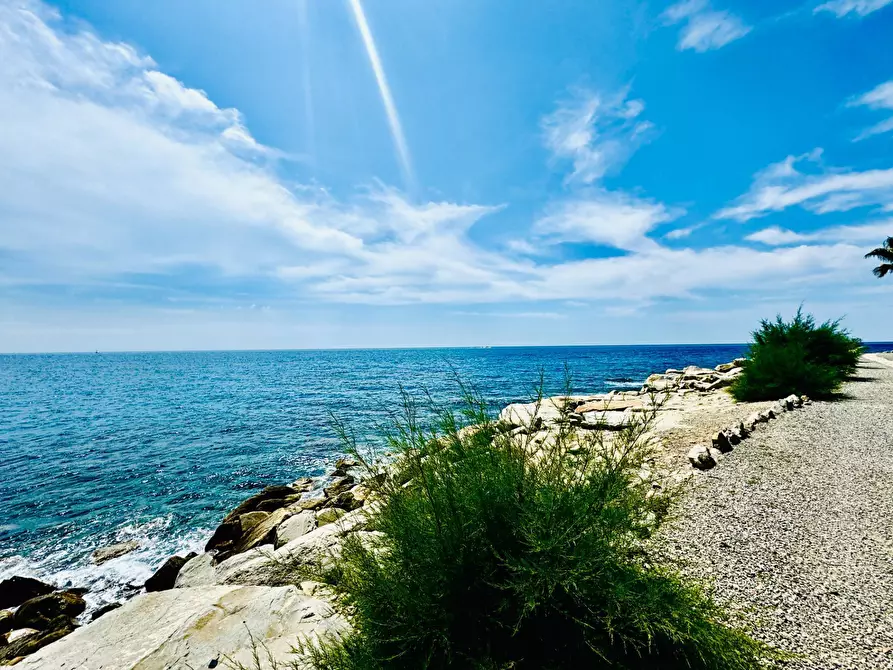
(797, 357)
(494, 551)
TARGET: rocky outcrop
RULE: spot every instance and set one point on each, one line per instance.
(218, 626)
(693, 378)
(16, 590)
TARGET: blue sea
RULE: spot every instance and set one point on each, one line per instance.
(156, 447)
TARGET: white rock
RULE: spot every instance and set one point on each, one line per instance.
(19, 633)
(190, 628)
(294, 527)
(198, 571)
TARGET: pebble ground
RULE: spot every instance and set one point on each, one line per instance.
(795, 528)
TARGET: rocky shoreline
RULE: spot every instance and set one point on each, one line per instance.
(250, 560)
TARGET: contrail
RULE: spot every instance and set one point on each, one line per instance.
(305, 79)
(385, 91)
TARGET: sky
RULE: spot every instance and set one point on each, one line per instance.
(389, 173)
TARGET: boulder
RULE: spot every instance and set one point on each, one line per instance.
(792, 401)
(165, 576)
(346, 463)
(5, 622)
(804, 399)
(701, 457)
(329, 515)
(31, 641)
(16, 590)
(725, 367)
(769, 414)
(739, 362)
(721, 442)
(196, 628)
(338, 485)
(42, 611)
(249, 520)
(230, 530)
(346, 501)
(303, 484)
(198, 571)
(264, 532)
(294, 527)
(104, 554)
(525, 414)
(734, 435)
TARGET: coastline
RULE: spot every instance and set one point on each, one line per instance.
(306, 520)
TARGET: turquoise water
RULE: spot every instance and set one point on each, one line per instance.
(100, 448)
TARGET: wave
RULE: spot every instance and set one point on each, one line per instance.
(114, 580)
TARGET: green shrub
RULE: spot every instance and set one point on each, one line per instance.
(797, 357)
(495, 552)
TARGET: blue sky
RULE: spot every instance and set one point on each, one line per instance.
(331, 173)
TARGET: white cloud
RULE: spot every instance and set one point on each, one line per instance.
(611, 218)
(783, 185)
(705, 29)
(880, 97)
(113, 171)
(856, 234)
(859, 7)
(598, 133)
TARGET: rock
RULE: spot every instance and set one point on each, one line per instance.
(734, 435)
(721, 442)
(346, 501)
(249, 520)
(105, 609)
(310, 503)
(197, 571)
(768, 413)
(793, 400)
(526, 414)
(338, 485)
(16, 590)
(303, 484)
(41, 611)
(33, 640)
(610, 405)
(104, 554)
(264, 532)
(230, 530)
(757, 417)
(273, 504)
(725, 367)
(804, 399)
(5, 622)
(19, 633)
(701, 457)
(294, 527)
(329, 515)
(165, 577)
(346, 463)
(191, 628)
(740, 362)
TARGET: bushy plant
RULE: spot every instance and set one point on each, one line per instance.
(797, 357)
(498, 549)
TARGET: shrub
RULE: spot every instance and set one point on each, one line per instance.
(797, 357)
(496, 552)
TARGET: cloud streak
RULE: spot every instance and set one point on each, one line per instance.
(843, 8)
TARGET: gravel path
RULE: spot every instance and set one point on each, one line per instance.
(796, 525)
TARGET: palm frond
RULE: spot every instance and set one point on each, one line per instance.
(881, 253)
(882, 270)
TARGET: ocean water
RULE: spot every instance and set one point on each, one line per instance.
(156, 447)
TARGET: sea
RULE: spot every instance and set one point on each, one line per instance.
(101, 448)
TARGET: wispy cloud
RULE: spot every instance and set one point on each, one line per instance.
(704, 28)
(857, 234)
(858, 7)
(821, 191)
(598, 133)
(880, 97)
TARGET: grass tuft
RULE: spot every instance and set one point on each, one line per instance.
(497, 550)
